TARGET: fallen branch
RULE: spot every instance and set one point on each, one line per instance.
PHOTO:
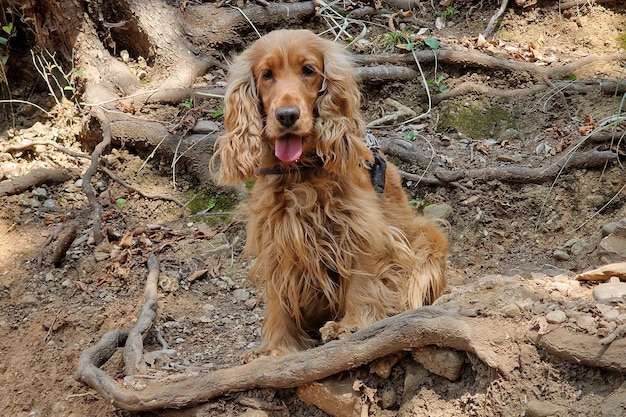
(34, 178)
(64, 242)
(577, 3)
(415, 328)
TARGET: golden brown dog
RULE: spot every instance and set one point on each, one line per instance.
(330, 250)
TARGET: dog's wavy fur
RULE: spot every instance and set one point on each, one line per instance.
(328, 248)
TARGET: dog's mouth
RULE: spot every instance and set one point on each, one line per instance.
(288, 148)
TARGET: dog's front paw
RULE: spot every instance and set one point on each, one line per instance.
(333, 331)
(252, 354)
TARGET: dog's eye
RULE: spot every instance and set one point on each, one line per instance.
(267, 74)
(308, 70)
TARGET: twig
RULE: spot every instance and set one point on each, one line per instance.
(495, 17)
(51, 328)
(30, 146)
(150, 196)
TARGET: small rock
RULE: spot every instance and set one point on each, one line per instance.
(49, 276)
(205, 126)
(510, 310)
(49, 203)
(180, 340)
(439, 211)
(561, 255)
(556, 317)
(608, 312)
(335, 397)
(29, 299)
(241, 295)
(608, 228)
(388, 398)
(40, 192)
(579, 247)
(510, 135)
(444, 362)
(588, 323)
(536, 408)
(611, 291)
(67, 283)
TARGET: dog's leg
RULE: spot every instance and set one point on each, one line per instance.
(280, 335)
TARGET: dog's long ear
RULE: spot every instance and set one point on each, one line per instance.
(340, 125)
(239, 148)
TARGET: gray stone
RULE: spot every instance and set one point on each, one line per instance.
(556, 317)
(510, 135)
(205, 126)
(561, 255)
(444, 362)
(611, 291)
(439, 211)
(608, 228)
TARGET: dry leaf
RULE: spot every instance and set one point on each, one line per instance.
(198, 274)
(127, 240)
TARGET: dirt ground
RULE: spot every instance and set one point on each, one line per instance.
(514, 247)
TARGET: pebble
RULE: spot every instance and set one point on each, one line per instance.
(29, 299)
(613, 290)
(556, 317)
(205, 126)
(241, 295)
(608, 228)
(67, 283)
(561, 255)
(180, 340)
(439, 211)
(587, 323)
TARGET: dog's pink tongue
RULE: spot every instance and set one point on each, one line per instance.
(288, 148)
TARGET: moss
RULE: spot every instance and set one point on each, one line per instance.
(476, 122)
(207, 200)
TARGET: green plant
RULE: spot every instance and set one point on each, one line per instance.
(120, 202)
(217, 113)
(432, 43)
(410, 135)
(188, 104)
(621, 41)
(7, 32)
(448, 12)
(438, 82)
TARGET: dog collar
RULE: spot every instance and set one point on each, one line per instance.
(282, 169)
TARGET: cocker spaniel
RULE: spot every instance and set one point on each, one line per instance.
(332, 251)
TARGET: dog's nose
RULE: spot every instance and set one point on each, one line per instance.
(287, 116)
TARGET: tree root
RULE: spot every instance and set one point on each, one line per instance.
(479, 59)
(133, 348)
(410, 153)
(415, 328)
(35, 178)
(95, 161)
(144, 194)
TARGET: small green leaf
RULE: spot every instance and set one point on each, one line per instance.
(432, 43)
(8, 28)
(410, 135)
(217, 113)
(120, 203)
(3, 41)
(4, 59)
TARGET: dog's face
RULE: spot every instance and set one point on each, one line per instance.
(289, 76)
